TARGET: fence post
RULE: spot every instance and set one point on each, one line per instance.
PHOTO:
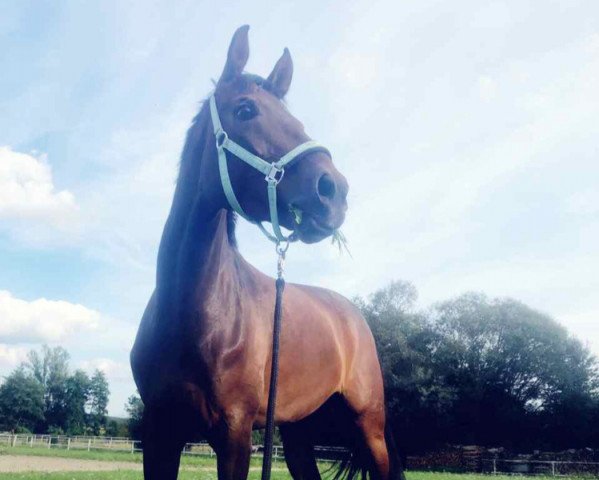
(494, 466)
(69, 443)
(553, 469)
(14, 441)
(89, 444)
(49, 440)
(132, 446)
(31, 442)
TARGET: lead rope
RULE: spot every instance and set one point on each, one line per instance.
(274, 372)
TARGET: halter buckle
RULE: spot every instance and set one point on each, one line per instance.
(221, 137)
(275, 175)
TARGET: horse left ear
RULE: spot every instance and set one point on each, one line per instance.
(280, 77)
(239, 52)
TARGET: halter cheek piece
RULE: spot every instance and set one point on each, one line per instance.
(273, 173)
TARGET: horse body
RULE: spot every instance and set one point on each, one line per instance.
(201, 359)
(320, 340)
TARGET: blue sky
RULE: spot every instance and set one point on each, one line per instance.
(469, 133)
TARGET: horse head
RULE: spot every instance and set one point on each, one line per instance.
(311, 197)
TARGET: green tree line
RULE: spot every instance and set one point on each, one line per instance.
(480, 371)
(43, 396)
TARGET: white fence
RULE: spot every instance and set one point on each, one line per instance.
(69, 443)
(554, 468)
(113, 444)
(123, 444)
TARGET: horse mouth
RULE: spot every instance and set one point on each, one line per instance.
(313, 229)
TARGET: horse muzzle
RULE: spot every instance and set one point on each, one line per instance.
(318, 214)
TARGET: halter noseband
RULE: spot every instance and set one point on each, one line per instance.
(273, 173)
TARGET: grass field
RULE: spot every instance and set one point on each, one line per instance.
(123, 475)
(192, 467)
(190, 475)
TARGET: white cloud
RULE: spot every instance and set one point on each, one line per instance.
(27, 190)
(42, 320)
(10, 357)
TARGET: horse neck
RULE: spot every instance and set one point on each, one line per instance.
(208, 257)
(197, 251)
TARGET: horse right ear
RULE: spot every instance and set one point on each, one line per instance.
(239, 52)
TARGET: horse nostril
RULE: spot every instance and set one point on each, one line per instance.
(326, 186)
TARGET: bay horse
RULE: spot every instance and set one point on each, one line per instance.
(201, 358)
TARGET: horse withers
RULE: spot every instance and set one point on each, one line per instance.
(201, 359)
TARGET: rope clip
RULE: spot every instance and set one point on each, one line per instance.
(281, 249)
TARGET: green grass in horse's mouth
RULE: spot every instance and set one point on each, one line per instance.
(338, 238)
(297, 214)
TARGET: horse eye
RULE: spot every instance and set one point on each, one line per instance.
(245, 111)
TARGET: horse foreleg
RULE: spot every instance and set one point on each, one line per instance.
(162, 446)
(232, 441)
(299, 453)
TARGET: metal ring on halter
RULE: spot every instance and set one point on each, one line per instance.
(282, 246)
(275, 174)
(221, 137)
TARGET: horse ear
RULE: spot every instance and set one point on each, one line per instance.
(239, 52)
(280, 77)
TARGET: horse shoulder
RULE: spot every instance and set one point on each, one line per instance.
(336, 305)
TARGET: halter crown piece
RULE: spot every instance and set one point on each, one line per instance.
(273, 173)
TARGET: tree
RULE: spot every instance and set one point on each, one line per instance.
(99, 393)
(51, 369)
(474, 370)
(70, 403)
(21, 402)
(117, 427)
(135, 409)
(77, 393)
(508, 364)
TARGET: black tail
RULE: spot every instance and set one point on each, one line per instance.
(354, 465)
(396, 462)
(357, 462)
(334, 424)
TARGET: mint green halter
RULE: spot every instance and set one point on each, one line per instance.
(273, 173)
